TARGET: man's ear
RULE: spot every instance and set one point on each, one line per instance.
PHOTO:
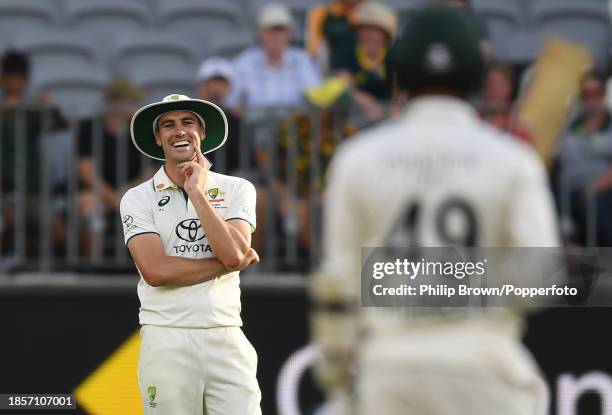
(157, 139)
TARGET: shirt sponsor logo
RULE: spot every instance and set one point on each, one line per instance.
(128, 223)
(190, 230)
(163, 201)
(181, 249)
(128, 220)
(214, 193)
(152, 391)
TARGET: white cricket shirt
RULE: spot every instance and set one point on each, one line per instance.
(159, 206)
(437, 152)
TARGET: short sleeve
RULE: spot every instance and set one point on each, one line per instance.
(243, 205)
(136, 215)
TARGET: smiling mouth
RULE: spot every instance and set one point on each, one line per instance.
(181, 144)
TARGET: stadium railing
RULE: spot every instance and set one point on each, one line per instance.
(43, 229)
(283, 151)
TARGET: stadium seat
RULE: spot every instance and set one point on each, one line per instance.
(153, 50)
(199, 19)
(56, 48)
(21, 16)
(518, 47)
(503, 17)
(78, 89)
(158, 82)
(230, 45)
(105, 19)
(585, 21)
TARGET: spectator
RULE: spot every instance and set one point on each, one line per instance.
(214, 82)
(331, 37)
(28, 120)
(375, 25)
(496, 104)
(303, 146)
(274, 74)
(585, 162)
(362, 77)
(108, 163)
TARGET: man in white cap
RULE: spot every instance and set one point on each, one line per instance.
(274, 74)
(215, 82)
(188, 230)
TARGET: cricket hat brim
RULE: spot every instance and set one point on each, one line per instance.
(142, 127)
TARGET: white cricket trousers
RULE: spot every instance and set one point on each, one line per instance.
(186, 371)
(461, 371)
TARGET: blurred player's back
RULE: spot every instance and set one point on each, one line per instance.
(436, 176)
(443, 177)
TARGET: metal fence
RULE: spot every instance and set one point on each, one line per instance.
(54, 220)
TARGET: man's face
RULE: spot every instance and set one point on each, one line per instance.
(14, 84)
(213, 89)
(592, 93)
(178, 133)
(372, 38)
(498, 88)
(274, 40)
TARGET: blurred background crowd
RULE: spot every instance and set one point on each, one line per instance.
(295, 78)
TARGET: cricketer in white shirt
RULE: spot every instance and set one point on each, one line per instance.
(158, 206)
(437, 150)
(188, 230)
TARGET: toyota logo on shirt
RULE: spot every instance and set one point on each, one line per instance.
(190, 230)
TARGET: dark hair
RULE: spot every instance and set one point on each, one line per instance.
(15, 63)
(593, 74)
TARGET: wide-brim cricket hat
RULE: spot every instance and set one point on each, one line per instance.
(143, 125)
(371, 13)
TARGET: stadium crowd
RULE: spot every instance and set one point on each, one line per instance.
(290, 99)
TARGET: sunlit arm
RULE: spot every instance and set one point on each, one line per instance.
(159, 269)
(230, 240)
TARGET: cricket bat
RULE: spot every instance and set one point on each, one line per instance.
(544, 106)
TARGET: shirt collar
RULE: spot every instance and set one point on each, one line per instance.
(161, 181)
(267, 64)
(442, 108)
